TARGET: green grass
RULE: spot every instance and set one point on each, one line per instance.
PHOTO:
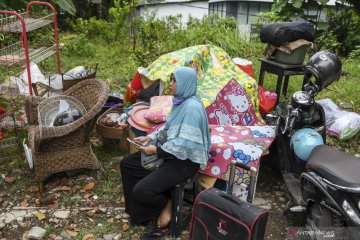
(109, 184)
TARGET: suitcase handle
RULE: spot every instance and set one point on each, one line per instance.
(231, 197)
(253, 170)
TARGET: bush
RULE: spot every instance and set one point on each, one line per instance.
(344, 25)
(94, 29)
(156, 37)
(80, 46)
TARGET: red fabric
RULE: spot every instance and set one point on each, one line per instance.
(267, 100)
(133, 88)
(247, 69)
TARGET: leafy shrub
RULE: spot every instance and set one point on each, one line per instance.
(94, 29)
(156, 37)
(328, 41)
(80, 46)
(119, 14)
(345, 26)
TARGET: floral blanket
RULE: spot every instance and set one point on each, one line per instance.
(214, 68)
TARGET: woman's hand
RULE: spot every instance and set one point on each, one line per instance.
(142, 140)
(149, 150)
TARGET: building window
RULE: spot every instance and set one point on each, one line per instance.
(245, 12)
(211, 9)
(218, 8)
(248, 10)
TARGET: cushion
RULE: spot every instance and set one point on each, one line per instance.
(160, 107)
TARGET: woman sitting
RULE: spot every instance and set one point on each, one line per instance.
(185, 150)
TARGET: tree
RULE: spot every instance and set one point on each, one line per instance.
(66, 5)
(279, 5)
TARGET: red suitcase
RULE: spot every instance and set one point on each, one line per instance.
(219, 215)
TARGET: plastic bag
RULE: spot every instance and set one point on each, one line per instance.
(36, 75)
(340, 123)
(267, 100)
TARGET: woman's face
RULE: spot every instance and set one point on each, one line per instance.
(172, 85)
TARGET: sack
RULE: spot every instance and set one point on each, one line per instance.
(133, 89)
(279, 33)
(152, 162)
(160, 107)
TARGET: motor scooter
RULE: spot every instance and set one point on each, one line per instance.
(321, 181)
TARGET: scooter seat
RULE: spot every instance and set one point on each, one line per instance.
(335, 166)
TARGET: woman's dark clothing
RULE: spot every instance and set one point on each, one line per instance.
(145, 191)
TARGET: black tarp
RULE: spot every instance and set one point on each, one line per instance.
(280, 33)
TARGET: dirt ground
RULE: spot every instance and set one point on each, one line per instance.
(270, 188)
(84, 206)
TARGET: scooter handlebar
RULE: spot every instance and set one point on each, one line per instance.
(292, 122)
(292, 118)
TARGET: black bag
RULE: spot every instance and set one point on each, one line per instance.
(280, 33)
(152, 162)
(219, 215)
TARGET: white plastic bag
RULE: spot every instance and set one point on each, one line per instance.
(22, 86)
(36, 74)
(340, 123)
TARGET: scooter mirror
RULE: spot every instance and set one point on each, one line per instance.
(282, 110)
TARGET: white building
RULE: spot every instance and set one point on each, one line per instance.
(243, 10)
(163, 8)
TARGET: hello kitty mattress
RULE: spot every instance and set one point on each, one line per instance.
(232, 106)
(242, 143)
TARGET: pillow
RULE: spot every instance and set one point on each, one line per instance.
(160, 107)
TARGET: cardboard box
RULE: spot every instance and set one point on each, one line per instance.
(296, 57)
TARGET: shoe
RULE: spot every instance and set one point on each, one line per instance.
(156, 234)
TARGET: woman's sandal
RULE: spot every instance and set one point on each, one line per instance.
(156, 234)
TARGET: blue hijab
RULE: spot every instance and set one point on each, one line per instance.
(187, 126)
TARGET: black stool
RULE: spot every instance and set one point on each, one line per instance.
(281, 70)
(179, 218)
